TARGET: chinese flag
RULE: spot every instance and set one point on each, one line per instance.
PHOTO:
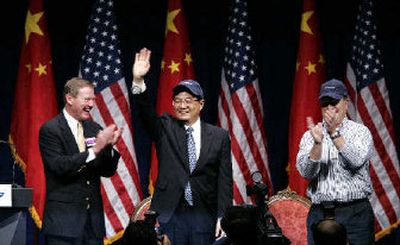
(34, 103)
(310, 73)
(176, 65)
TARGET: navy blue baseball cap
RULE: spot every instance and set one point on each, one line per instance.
(190, 86)
(334, 89)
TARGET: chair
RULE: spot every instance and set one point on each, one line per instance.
(141, 208)
(290, 211)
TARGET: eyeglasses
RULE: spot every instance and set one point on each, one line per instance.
(331, 102)
(188, 101)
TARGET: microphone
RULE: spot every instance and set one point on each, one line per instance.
(12, 149)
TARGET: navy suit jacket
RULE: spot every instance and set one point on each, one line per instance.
(211, 180)
(72, 185)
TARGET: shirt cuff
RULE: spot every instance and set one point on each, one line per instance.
(138, 88)
(91, 155)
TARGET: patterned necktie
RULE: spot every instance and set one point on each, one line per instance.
(80, 138)
(191, 147)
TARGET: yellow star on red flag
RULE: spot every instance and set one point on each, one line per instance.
(41, 69)
(310, 68)
(174, 66)
(170, 21)
(32, 24)
(188, 58)
(304, 22)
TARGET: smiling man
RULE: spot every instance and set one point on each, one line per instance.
(194, 183)
(76, 152)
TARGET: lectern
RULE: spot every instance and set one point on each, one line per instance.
(13, 218)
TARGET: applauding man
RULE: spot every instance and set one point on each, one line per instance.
(334, 155)
(76, 152)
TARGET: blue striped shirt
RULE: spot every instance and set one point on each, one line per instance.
(339, 175)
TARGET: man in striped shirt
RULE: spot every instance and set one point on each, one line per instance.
(334, 156)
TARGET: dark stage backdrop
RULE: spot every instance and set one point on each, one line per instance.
(141, 23)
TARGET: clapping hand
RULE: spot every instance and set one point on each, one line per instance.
(316, 130)
(107, 136)
(331, 118)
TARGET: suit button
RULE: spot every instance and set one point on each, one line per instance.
(87, 198)
(88, 182)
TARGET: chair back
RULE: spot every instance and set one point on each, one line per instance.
(141, 208)
(290, 211)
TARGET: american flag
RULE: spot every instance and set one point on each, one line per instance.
(102, 65)
(370, 105)
(240, 108)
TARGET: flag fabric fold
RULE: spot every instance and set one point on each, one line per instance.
(310, 73)
(240, 109)
(102, 65)
(176, 65)
(370, 106)
(31, 109)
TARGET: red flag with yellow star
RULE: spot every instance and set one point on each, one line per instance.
(34, 103)
(176, 65)
(310, 73)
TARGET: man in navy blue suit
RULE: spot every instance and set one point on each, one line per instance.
(194, 183)
(76, 152)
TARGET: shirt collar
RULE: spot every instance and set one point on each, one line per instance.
(195, 126)
(72, 122)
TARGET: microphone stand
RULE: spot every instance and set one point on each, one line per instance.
(14, 162)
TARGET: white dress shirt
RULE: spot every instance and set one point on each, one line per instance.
(73, 125)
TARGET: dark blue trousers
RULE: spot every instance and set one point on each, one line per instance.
(88, 237)
(357, 217)
(187, 226)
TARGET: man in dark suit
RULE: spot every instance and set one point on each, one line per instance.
(76, 152)
(194, 183)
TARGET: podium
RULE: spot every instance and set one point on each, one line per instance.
(13, 219)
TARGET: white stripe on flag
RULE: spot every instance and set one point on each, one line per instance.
(115, 201)
(110, 232)
(238, 133)
(244, 99)
(239, 180)
(379, 124)
(382, 218)
(119, 119)
(127, 180)
(384, 92)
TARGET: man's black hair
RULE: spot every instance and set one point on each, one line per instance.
(240, 224)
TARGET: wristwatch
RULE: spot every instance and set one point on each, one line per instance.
(335, 135)
(136, 89)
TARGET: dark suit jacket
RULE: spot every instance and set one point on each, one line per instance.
(72, 185)
(211, 180)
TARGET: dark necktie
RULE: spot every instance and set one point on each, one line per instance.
(192, 163)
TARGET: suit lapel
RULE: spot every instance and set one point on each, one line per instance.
(181, 140)
(206, 139)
